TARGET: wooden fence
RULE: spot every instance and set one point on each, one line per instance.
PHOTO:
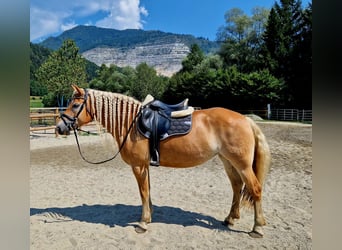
(44, 118)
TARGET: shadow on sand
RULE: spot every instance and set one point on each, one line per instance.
(128, 215)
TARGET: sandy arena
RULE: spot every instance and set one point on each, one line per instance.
(76, 205)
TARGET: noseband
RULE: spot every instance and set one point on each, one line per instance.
(71, 121)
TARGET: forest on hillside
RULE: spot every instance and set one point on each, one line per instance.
(263, 58)
(89, 37)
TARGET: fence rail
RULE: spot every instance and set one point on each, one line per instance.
(291, 115)
(44, 118)
(300, 115)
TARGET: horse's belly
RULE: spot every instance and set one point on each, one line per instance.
(185, 153)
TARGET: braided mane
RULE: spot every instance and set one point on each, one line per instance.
(113, 110)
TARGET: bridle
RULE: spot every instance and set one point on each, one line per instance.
(72, 125)
(69, 121)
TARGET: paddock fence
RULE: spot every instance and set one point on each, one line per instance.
(291, 115)
(298, 115)
(44, 119)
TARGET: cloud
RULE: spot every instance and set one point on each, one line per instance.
(68, 26)
(55, 16)
(124, 15)
(44, 22)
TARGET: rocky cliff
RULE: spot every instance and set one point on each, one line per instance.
(165, 58)
(161, 50)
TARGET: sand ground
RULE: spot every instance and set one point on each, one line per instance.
(75, 205)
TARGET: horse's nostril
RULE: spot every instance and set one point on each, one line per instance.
(58, 130)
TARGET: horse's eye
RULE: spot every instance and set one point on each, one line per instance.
(75, 105)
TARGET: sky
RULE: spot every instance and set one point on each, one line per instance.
(200, 18)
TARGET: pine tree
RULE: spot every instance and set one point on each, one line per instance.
(194, 58)
(285, 49)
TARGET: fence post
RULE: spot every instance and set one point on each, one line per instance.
(40, 121)
(269, 111)
(55, 118)
(298, 116)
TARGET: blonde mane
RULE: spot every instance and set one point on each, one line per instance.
(113, 110)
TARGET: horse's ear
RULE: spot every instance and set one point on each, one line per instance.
(76, 88)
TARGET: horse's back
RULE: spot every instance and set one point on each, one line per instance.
(212, 129)
(220, 119)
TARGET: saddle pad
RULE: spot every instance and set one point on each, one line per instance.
(179, 126)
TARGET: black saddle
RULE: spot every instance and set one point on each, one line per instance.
(159, 121)
(167, 108)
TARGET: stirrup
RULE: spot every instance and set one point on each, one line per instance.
(154, 161)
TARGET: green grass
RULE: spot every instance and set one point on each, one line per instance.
(36, 102)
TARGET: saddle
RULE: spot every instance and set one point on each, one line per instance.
(159, 121)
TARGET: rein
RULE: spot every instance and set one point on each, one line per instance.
(120, 148)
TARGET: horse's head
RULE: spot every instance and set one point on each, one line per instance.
(77, 113)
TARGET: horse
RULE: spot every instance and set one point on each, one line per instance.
(235, 138)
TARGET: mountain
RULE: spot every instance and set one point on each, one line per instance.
(161, 50)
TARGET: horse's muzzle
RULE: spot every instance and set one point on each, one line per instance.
(62, 129)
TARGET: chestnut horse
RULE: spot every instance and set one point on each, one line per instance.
(236, 139)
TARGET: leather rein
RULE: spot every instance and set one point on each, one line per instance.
(72, 125)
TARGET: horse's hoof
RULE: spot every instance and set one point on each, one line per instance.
(228, 222)
(141, 228)
(257, 232)
(254, 234)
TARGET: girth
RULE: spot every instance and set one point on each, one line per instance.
(159, 121)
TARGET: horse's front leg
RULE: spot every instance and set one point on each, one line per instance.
(141, 173)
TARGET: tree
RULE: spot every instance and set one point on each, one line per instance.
(112, 79)
(38, 55)
(255, 89)
(287, 50)
(37, 89)
(195, 57)
(242, 37)
(62, 68)
(147, 82)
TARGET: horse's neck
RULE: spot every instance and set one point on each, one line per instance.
(114, 111)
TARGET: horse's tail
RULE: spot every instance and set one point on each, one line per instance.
(261, 162)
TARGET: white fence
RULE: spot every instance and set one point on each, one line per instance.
(299, 115)
(291, 115)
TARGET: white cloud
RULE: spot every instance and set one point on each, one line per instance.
(54, 16)
(68, 26)
(124, 14)
(143, 11)
(44, 22)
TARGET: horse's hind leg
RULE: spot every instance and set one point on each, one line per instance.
(252, 194)
(254, 189)
(237, 184)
